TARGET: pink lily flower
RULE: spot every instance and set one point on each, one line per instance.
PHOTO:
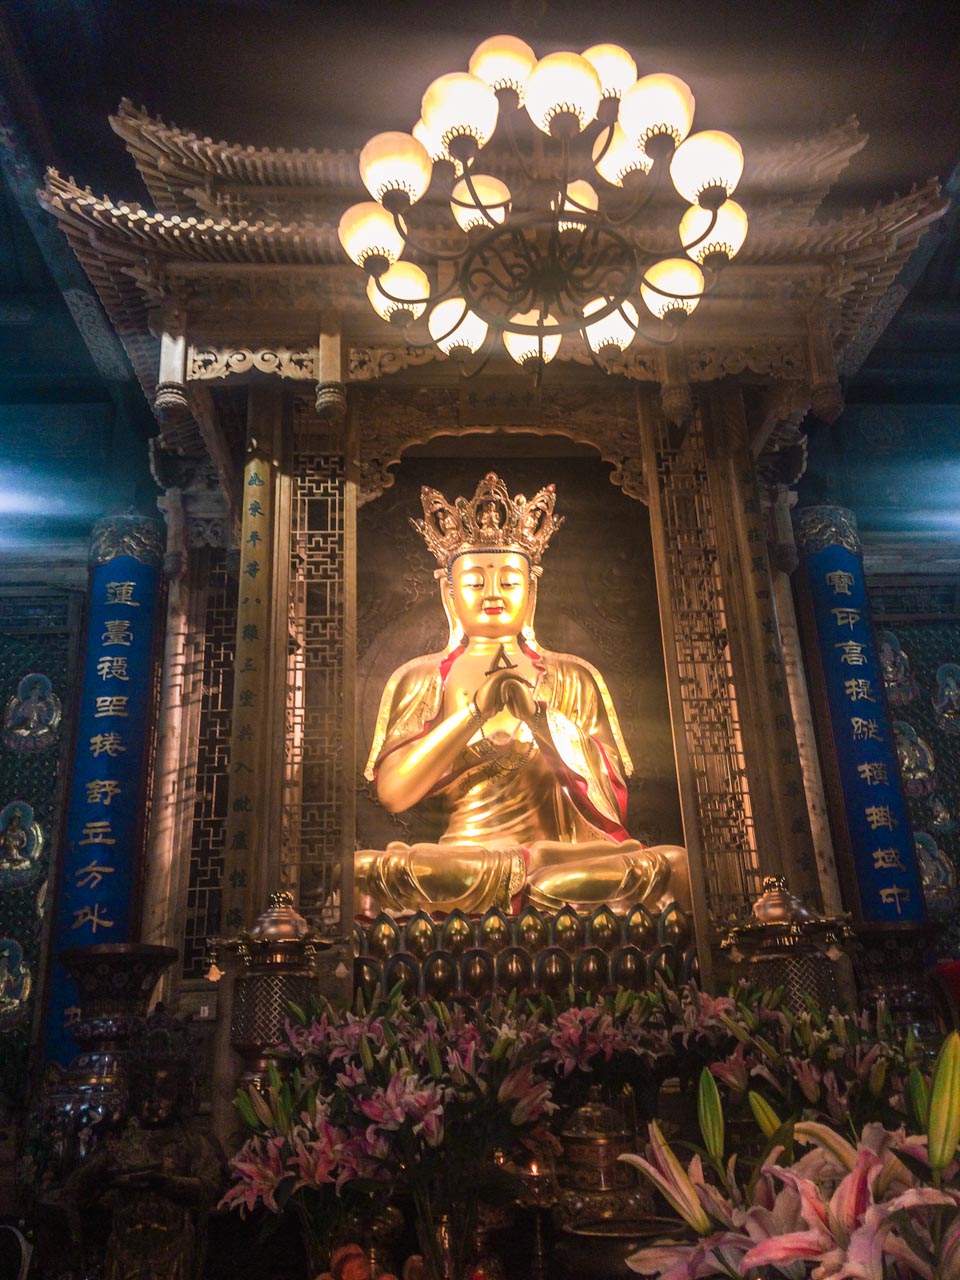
(715, 1255)
(807, 1077)
(667, 1174)
(314, 1157)
(733, 1072)
(530, 1098)
(258, 1170)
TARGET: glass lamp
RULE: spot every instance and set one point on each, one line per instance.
(400, 294)
(503, 62)
(461, 110)
(723, 241)
(580, 196)
(456, 329)
(657, 111)
(615, 67)
(622, 156)
(562, 94)
(681, 283)
(494, 202)
(370, 237)
(707, 167)
(614, 332)
(529, 348)
(396, 169)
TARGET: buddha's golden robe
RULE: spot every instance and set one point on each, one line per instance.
(543, 813)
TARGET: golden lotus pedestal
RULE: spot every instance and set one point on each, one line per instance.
(473, 957)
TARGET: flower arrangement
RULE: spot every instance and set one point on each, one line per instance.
(412, 1099)
(848, 1069)
(616, 1042)
(885, 1205)
(440, 1106)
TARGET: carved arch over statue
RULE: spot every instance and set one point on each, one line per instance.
(388, 421)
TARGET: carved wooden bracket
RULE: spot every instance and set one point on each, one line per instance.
(207, 363)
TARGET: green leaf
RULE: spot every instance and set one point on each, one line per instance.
(298, 1012)
(710, 1115)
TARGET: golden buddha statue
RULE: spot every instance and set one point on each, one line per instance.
(520, 745)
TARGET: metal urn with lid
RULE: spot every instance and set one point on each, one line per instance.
(786, 945)
(595, 1183)
(279, 968)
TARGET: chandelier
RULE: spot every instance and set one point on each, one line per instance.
(553, 172)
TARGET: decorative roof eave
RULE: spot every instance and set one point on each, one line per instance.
(204, 239)
(185, 172)
(123, 301)
(172, 160)
(134, 258)
(135, 230)
(806, 169)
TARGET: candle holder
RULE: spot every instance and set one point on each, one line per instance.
(539, 1194)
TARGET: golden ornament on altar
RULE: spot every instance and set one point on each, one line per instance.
(521, 746)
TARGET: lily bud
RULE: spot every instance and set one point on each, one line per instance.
(736, 1030)
(768, 1051)
(877, 1077)
(247, 1112)
(366, 1054)
(433, 1058)
(259, 1104)
(918, 1096)
(943, 1126)
(763, 1113)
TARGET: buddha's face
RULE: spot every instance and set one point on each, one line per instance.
(491, 592)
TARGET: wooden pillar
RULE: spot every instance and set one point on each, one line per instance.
(250, 851)
(778, 798)
(168, 818)
(784, 559)
(678, 693)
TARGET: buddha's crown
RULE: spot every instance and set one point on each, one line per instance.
(491, 520)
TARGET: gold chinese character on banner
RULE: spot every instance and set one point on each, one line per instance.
(110, 706)
(859, 690)
(839, 581)
(102, 790)
(89, 877)
(873, 773)
(97, 833)
(879, 815)
(106, 744)
(117, 631)
(112, 668)
(896, 894)
(865, 730)
(887, 860)
(121, 593)
(852, 653)
(92, 917)
(846, 617)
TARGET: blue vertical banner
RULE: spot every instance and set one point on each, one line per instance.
(881, 840)
(98, 883)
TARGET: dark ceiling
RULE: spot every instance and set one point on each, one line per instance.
(288, 73)
(296, 74)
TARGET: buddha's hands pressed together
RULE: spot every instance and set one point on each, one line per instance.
(504, 690)
(518, 699)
